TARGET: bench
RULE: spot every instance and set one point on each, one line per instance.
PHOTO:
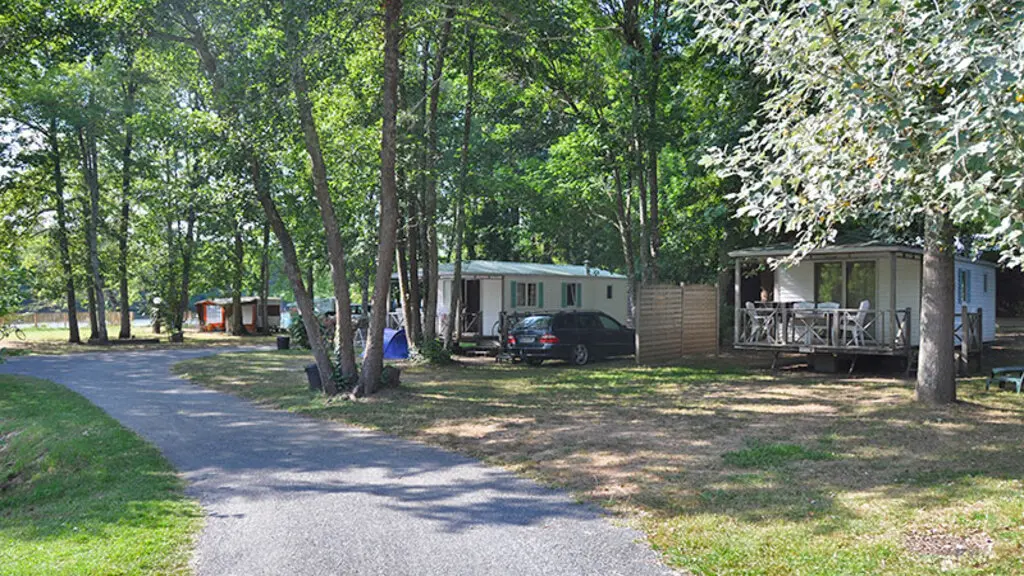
(1010, 374)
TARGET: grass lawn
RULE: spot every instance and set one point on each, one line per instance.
(79, 494)
(727, 470)
(55, 341)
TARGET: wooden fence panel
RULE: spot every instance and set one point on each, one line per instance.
(675, 321)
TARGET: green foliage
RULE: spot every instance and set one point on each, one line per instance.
(877, 113)
(760, 454)
(297, 330)
(434, 352)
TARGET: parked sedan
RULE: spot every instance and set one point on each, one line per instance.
(577, 337)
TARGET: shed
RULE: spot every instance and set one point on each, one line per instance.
(214, 314)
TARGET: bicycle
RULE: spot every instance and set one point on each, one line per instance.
(7, 329)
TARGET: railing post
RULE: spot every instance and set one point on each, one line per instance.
(908, 339)
(965, 341)
(737, 305)
(981, 338)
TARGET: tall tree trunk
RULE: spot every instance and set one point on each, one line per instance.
(126, 188)
(414, 229)
(93, 324)
(653, 245)
(87, 142)
(623, 218)
(455, 308)
(430, 280)
(186, 270)
(62, 235)
(303, 297)
(936, 369)
(335, 246)
(373, 364)
(237, 328)
(265, 281)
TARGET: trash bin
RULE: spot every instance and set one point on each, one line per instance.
(284, 342)
(313, 376)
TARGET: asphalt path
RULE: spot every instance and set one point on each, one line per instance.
(287, 495)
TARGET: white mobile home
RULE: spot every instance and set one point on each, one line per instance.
(857, 299)
(490, 288)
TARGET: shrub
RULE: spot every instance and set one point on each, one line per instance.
(297, 331)
(434, 352)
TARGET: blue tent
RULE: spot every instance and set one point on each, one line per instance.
(396, 347)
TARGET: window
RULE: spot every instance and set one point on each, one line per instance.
(609, 323)
(860, 283)
(963, 287)
(273, 309)
(588, 322)
(609, 291)
(984, 284)
(526, 294)
(572, 295)
(828, 282)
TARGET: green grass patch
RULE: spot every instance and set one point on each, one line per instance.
(80, 494)
(760, 454)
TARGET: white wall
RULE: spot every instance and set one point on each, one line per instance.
(978, 297)
(490, 304)
(795, 283)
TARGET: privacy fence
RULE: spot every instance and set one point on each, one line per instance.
(673, 321)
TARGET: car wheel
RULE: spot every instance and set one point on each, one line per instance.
(534, 361)
(580, 355)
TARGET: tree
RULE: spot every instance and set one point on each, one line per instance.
(373, 363)
(902, 116)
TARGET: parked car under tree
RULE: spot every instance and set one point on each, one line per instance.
(576, 337)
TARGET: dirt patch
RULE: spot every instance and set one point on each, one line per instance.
(938, 542)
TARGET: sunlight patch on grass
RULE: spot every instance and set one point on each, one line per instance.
(760, 454)
(80, 494)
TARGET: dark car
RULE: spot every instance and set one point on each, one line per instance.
(576, 337)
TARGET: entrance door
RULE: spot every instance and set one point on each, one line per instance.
(471, 319)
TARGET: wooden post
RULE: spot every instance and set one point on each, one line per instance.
(981, 338)
(892, 297)
(35, 319)
(965, 341)
(737, 304)
(907, 340)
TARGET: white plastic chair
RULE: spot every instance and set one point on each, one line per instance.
(857, 326)
(758, 322)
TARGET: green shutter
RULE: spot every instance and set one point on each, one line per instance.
(563, 294)
(579, 295)
(540, 295)
(513, 301)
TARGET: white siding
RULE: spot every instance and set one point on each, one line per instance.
(795, 283)
(908, 293)
(978, 297)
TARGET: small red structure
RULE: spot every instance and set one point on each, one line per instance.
(214, 313)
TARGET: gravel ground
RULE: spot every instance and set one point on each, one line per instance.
(289, 495)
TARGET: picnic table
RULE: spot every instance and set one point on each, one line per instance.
(1009, 374)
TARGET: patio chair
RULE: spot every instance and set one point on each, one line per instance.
(857, 326)
(760, 324)
(804, 319)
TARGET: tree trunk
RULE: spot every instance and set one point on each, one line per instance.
(87, 142)
(335, 246)
(237, 328)
(93, 324)
(653, 245)
(625, 227)
(265, 281)
(414, 229)
(430, 280)
(186, 270)
(126, 188)
(303, 298)
(373, 364)
(62, 236)
(455, 308)
(936, 369)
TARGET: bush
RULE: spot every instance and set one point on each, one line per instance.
(297, 331)
(434, 352)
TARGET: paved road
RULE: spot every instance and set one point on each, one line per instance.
(293, 496)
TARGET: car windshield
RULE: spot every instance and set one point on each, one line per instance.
(534, 323)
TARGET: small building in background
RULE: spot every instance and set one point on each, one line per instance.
(215, 313)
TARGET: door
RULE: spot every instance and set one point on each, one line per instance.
(471, 318)
(619, 339)
(592, 333)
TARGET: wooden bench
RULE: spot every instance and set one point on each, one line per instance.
(1010, 374)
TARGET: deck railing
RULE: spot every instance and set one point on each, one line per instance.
(834, 329)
